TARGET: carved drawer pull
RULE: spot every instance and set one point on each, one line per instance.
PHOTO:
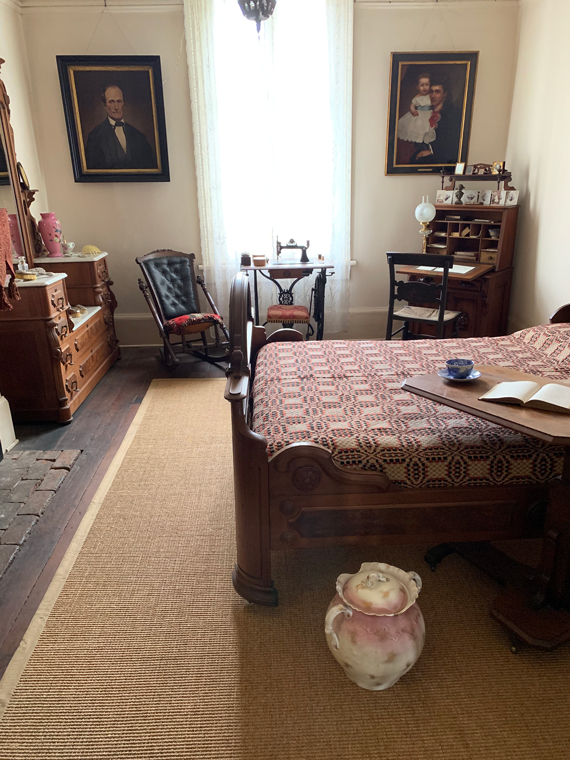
(67, 359)
(77, 345)
(71, 385)
(62, 331)
(58, 303)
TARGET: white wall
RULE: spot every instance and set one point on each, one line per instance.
(383, 207)
(125, 219)
(129, 219)
(539, 157)
(15, 75)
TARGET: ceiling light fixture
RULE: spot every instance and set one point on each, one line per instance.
(257, 10)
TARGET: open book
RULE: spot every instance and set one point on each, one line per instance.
(551, 397)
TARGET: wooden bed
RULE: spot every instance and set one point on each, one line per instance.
(292, 495)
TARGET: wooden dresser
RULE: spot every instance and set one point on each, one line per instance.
(52, 362)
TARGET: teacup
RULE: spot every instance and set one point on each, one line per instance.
(459, 368)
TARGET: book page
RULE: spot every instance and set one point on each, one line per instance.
(552, 394)
(519, 392)
(456, 269)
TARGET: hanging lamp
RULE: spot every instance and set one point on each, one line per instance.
(257, 10)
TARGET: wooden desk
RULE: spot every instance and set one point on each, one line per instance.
(482, 296)
(533, 607)
(284, 269)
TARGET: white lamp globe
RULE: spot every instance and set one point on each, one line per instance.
(425, 212)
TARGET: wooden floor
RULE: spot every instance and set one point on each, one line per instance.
(98, 428)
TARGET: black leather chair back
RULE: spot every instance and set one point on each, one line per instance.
(172, 281)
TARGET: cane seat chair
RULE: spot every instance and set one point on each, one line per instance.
(170, 287)
(431, 297)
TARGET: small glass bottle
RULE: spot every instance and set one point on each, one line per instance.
(22, 264)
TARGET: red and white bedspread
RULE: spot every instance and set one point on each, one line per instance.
(346, 395)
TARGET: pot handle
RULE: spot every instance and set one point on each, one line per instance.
(329, 619)
(415, 577)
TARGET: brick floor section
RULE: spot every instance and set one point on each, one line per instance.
(7, 554)
(27, 459)
(7, 513)
(19, 530)
(9, 478)
(28, 481)
(51, 455)
(23, 490)
(38, 470)
(52, 480)
(37, 503)
(66, 459)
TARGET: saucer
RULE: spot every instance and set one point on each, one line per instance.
(474, 374)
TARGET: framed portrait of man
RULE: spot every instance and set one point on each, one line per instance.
(114, 112)
(429, 111)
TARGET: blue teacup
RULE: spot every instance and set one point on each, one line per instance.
(459, 368)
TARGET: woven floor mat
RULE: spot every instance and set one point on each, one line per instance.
(148, 652)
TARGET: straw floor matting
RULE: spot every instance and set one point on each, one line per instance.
(149, 653)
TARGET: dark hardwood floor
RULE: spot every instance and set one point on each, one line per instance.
(98, 428)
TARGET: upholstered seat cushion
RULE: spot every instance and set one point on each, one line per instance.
(424, 314)
(347, 396)
(179, 325)
(292, 313)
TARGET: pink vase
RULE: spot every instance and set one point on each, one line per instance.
(15, 234)
(50, 230)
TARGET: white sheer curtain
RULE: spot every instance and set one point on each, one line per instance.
(272, 134)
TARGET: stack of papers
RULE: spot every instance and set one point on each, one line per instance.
(456, 269)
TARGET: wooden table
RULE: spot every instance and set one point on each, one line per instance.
(534, 605)
(284, 269)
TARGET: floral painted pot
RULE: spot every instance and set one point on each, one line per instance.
(50, 230)
(373, 626)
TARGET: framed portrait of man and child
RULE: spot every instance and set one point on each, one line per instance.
(430, 111)
(114, 113)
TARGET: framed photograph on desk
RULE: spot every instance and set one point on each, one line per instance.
(429, 112)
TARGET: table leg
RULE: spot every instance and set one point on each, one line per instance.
(535, 613)
(321, 282)
(256, 297)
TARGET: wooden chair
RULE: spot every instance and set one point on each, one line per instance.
(286, 312)
(431, 295)
(171, 292)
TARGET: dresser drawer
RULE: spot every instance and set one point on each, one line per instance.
(488, 258)
(57, 296)
(89, 334)
(96, 357)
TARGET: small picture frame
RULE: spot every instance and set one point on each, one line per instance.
(471, 197)
(441, 195)
(498, 167)
(470, 169)
(512, 197)
(485, 197)
(498, 198)
(460, 168)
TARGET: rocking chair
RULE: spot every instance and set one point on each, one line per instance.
(171, 293)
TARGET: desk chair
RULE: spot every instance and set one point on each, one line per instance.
(171, 292)
(432, 296)
(286, 312)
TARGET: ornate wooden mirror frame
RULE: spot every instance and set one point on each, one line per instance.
(23, 197)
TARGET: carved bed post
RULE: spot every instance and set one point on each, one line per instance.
(252, 573)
